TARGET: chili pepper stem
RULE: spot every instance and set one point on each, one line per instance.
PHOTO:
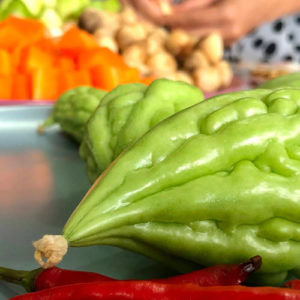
(254, 264)
(20, 277)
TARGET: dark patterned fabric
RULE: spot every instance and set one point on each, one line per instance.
(278, 41)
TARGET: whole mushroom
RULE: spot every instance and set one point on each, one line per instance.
(91, 20)
(196, 60)
(225, 71)
(128, 15)
(161, 64)
(208, 79)
(130, 34)
(106, 40)
(180, 43)
(213, 48)
(135, 55)
(181, 76)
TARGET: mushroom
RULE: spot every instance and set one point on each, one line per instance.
(180, 43)
(161, 64)
(105, 40)
(181, 76)
(225, 72)
(135, 56)
(149, 27)
(128, 15)
(196, 60)
(159, 34)
(91, 20)
(152, 45)
(212, 46)
(208, 79)
(130, 34)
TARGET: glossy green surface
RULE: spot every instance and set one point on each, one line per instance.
(42, 179)
(289, 80)
(72, 110)
(126, 113)
(222, 177)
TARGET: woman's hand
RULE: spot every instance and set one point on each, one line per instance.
(153, 10)
(231, 18)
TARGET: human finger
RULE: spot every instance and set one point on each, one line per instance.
(210, 16)
(150, 9)
(229, 33)
(189, 5)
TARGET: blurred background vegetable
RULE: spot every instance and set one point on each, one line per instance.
(157, 52)
(53, 13)
(35, 66)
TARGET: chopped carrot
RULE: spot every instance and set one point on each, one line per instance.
(5, 87)
(82, 77)
(15, 31)
(65, 63)
(100, 56)
(105, 77)
(17, 56)
(34, 58)
(34, 65)
(10, 38)
(46, 44)
(147, 80)
(73, 79)
(44, 84)
(128, 75)
(20, 87)
(29, 27)
(74, 41)
(5, 62)
(66, 81)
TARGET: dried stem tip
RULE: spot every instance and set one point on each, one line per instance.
(51, 247)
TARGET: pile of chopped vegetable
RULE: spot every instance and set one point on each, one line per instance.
(35, 66)
(53, 13)
(158, 52)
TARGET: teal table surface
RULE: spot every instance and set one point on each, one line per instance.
(42, 179)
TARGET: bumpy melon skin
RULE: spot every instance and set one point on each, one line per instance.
(72, 110)
(128, 112)
(290, 80)
(216, 183)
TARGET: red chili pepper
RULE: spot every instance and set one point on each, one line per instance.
(149, 290)
(293, 284)
(40, 279)
(218, 275)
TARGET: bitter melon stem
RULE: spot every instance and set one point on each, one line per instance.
(52, 248)
(47, 123)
